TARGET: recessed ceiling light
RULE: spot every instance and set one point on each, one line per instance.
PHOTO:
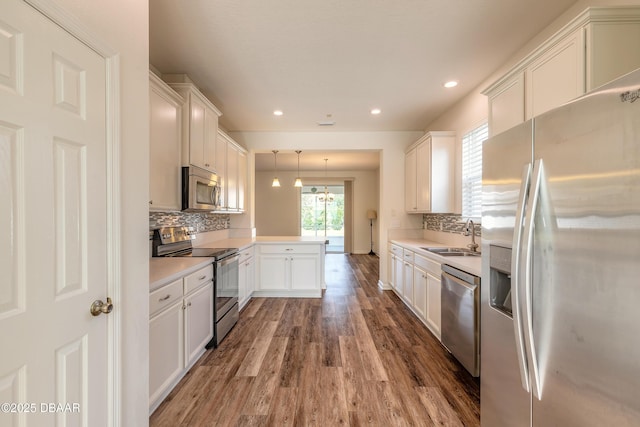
(376, 111)
(278, 113)
(451, 84)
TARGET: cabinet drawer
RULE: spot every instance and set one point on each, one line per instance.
(397, 250)
(198, 278)
(290, 249)
(430, 266)
(408, 256)
(246, 254)
(165, 296)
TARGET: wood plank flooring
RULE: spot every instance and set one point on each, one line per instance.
(355, 356)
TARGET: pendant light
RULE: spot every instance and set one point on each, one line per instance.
(298, 182)
(276, 181)
(327, 196)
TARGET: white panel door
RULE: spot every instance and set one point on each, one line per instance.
(53, 222)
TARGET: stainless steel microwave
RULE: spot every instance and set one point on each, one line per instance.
(200, 190)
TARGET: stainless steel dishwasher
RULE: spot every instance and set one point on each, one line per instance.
(461, 317)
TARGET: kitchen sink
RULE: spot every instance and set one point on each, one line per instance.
(452, 252)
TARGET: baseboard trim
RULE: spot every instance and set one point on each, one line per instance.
(316, 293)
(383, 286)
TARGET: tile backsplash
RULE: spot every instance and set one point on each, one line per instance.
(449, 223)
(201, 221)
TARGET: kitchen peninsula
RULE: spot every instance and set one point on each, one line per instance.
(271, 266)
(285, 266)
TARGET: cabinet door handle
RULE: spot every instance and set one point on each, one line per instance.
(288, 249)
(165, 298)
(202, 278)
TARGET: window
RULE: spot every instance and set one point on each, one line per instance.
(472, 171)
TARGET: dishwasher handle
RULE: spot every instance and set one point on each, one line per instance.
(460, 275)
(460, 287)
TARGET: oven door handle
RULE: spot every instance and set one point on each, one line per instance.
(228, 260)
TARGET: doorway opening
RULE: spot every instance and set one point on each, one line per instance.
(322, 214)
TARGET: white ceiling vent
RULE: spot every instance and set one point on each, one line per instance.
(327, 121)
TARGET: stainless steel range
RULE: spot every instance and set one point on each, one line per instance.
(176, 242)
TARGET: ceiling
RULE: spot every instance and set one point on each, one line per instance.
(340, 58)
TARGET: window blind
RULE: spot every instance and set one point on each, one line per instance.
(472, 171)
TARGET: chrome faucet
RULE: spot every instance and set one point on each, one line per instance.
(470, 228)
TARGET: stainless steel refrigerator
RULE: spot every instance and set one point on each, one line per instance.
(560, 298)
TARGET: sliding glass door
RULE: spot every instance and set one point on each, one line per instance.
(322, 214)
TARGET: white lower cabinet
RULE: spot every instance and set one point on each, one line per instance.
(166, 354)
(407, 291)
(198, 322)
(399, 269)
(274, 272)
(180, 325)
(431, 270)
(392, 269)
(420, 292)
(246, 276)
(434, 287)
(416, 280)
(305, 272)
(289, 270)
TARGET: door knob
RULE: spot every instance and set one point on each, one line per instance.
(98, 307)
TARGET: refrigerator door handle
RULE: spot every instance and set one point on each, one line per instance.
(525, 268)
(516, 277)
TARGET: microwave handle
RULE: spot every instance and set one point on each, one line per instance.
(215, 196)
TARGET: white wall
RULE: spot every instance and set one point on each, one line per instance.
(391, 146)
(123, 25)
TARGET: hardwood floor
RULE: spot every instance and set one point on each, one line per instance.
(356, 356)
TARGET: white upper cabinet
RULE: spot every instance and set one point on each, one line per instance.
(557, 76)
(410, 181)
(429, 174)
(233, 177)
(599, 45)
(199, 124)
(242, 179)
(506, 104)
(165, 146)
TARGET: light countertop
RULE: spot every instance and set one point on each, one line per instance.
(471, 265)
(243, 243)
(165, 270)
